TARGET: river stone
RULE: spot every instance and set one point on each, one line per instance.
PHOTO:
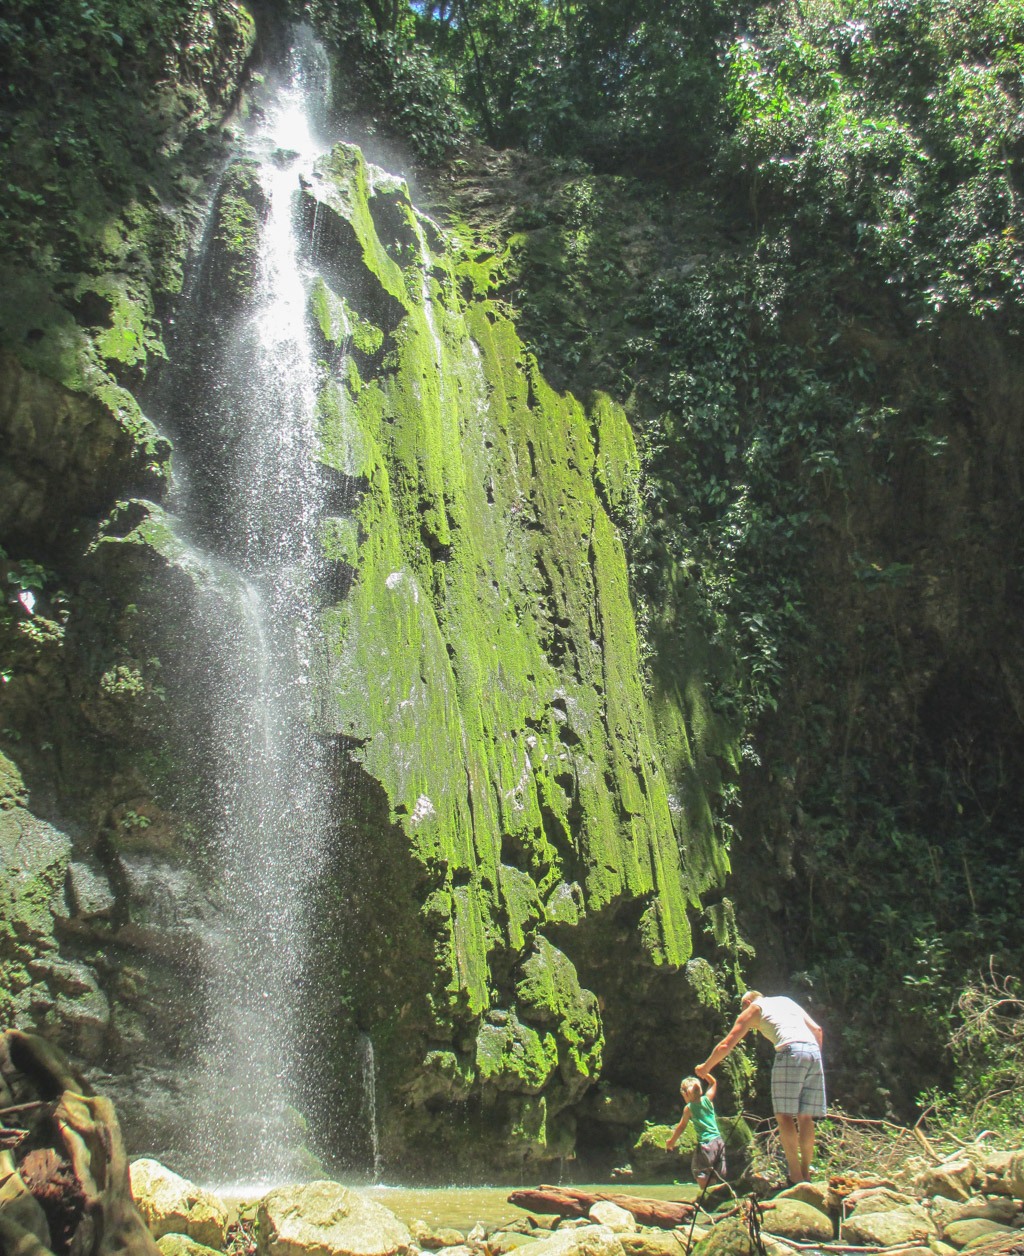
(617, 1219)
(793, 1219)
(953, 1179)
(1004, 1209)
(19, 1206)
(589, 1240)
(659, 1242)
(814, 1193)
(939, 1248)
(432, 1239)
(883, 1226)
(1015, 1174)
(327, 1219)
(966, 1232)
(182, 1245)
(727, 1238)
(172, 1205)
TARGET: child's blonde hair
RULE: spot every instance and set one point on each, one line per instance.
(689, 1082)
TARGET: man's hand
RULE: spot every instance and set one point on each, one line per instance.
(702, 1071)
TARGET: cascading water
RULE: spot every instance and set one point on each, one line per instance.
(251, 499)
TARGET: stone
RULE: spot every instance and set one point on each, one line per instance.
(588, 1240)
(182, 1245)
(1004, 1209)
(433, 1238)
(794, 1219)
(814, 1193)
(89, 891)
(172, 1205)
(658, 1242)
(965, 1233)
(617, 1219)
(1015, 1174)
(728, 1238)
(327, 1219)
(996, 1173)
(953, 1178)
(885, 1226)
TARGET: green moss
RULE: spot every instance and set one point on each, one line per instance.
(240, 208)
(511, 1055)
(339, 324)
(486, 664)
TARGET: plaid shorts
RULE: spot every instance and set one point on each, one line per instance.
(798, 1081)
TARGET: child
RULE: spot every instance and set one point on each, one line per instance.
(708, 1163)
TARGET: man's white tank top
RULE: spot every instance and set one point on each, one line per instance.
(782, 1022)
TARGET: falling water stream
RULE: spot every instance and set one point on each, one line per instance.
(250, 500)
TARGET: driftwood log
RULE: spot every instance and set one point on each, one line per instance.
(568, 1201)
(64, 1186)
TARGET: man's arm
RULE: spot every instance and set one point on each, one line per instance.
(815, 1029)
(741, 1027)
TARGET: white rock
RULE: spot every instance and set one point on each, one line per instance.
(328, 1219)
(617, 1219)
(172, 1205)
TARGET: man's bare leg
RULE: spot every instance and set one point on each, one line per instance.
(791, 1145)
(805, 1128)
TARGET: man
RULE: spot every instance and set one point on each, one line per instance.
(798, 1078)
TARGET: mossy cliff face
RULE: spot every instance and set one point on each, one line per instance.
(484, 669)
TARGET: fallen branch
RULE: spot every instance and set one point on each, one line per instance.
(22, 1107)
(927, 1145)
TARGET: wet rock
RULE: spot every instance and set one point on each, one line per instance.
(432, 1238)
(328, 1219)
(172, 1205)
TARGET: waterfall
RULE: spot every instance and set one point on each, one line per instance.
(250, 496)
(370, 1093)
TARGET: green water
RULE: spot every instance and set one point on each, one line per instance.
(463, 1207)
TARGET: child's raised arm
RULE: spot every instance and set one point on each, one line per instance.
(712, 1089)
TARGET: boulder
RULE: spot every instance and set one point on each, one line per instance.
(1015, 1174)
(617, 1219)
(996, 1173)
(728, 1238)
(876, 1224)
(967, 1232)
(182, 1245)
(327, 1219)
(172, 1205)
(793, 1219)
(587, 1240)
(1001, 1208)
(814, 1193)
(658, 1242)
(953, 1179)
(433, 1238)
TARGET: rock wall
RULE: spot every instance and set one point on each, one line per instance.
(507, 924)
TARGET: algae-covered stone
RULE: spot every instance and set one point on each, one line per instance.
(728, 1238)
(327, 1219)
(240, 208)
(512, 1055)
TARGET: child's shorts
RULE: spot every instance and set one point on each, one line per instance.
(709, 1158)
